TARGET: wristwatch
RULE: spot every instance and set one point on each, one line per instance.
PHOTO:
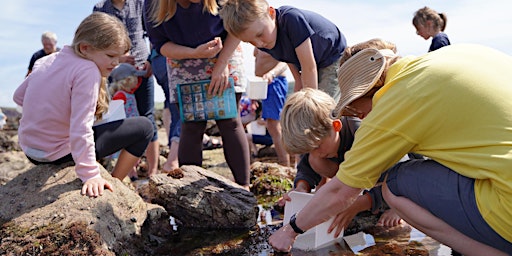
(294, 225)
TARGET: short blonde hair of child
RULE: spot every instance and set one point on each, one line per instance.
(306, 119)
(101, 31)
(238, 14)
(122, 85)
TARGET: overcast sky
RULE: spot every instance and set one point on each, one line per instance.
(474, 21)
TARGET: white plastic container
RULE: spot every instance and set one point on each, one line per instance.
(255, 128)
(315, 237)
(257, 89)
(115, 112)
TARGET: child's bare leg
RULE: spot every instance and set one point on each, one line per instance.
(274, 129)
(252, 147)
(133, 172)
(172, 159)
(152, 153)
(436, 228)
(166, 120)
(389, 218)
(124, 164)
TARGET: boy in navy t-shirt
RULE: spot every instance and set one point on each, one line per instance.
(310, 44)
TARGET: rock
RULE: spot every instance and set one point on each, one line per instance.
(49, 196)
(8, 142)
(12, 164)
(203, 199)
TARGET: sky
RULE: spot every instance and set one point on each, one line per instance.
(472, 21)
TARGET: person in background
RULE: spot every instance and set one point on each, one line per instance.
(159, 68)
(66, 93)
(170, 115)
(49, 41)
(129, 12)
(460, 194)
(309, 43)
(3, 119)
(125, 79)
(191, 35)
(273, 71)
(250, 113)
(429, 23)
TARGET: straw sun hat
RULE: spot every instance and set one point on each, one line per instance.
(358, 75)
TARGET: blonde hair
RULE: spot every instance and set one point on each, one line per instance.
(126, 84)
(306, 119)
(101, 31)
(163, 10)
(422, 15)
(238, 14)
(375, 43)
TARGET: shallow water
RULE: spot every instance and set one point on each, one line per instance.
(400, 240)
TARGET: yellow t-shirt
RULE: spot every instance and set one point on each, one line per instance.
(453, 105)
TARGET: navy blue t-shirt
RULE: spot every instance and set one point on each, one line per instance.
(438, 41)
(294, 26)
(189, 27)
(37, 55)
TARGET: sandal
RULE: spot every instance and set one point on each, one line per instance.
(210, 144)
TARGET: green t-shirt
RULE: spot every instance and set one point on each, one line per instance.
(453, 105)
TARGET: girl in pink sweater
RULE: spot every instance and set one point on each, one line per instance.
(66, 93)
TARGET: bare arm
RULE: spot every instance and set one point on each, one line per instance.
(309, 75)
(333, 198)
(362, 203)
(296, 76)
(277, 70)
(207, 50)
(220, 73)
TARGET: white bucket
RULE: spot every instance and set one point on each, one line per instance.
(115, 112)
(257, 89)
(255, 128)
(315, 237)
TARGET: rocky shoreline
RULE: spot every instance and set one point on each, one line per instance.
(43, 213)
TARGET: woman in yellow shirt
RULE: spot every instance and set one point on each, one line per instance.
(452, 106)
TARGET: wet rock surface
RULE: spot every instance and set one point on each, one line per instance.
(49, 196)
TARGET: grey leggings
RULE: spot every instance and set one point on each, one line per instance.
(234, 143)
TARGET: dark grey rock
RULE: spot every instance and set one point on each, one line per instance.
(203, 199)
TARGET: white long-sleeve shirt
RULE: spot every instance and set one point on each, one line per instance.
(59, 100)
